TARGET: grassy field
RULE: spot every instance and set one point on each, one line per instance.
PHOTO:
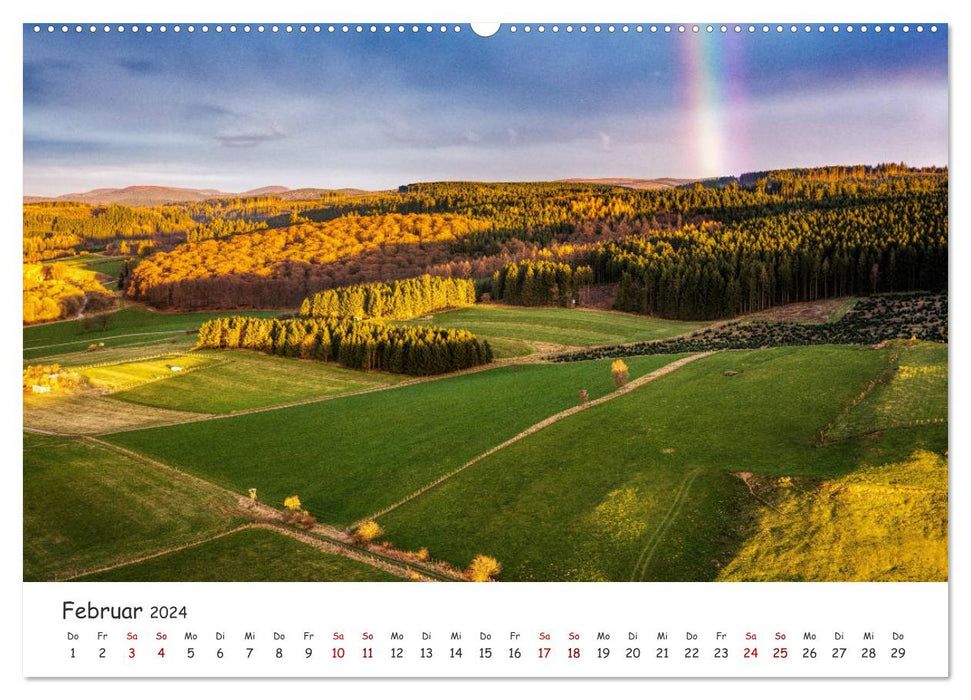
(571, 327)
(586, 497)
(235, 380)
(891, 525)
(353, 456)
(86, 507)
(248, 555)
(915, 393)
(133, 325)
(103, 264)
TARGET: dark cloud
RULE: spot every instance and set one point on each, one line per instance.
(138, 66)
(40, 78)
(250, 137)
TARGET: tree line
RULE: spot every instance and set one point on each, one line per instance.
(401, 299)
(365, 345)
(540, 283)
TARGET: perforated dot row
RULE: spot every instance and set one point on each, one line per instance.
(428, 28)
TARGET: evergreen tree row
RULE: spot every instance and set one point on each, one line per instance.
(540, 283)
(366, 345)
(395, 300)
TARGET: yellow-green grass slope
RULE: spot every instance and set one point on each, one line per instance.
(882, 523)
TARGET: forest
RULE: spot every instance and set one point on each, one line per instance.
(705, 250)
(367, 345)
(280, 267)
(53, 292)
(716, 271)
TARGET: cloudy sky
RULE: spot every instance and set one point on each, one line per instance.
(239, 111)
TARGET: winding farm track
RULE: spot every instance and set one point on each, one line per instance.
(536, 427)
(680, 496)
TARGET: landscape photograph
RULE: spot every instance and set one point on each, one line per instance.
(405, 303)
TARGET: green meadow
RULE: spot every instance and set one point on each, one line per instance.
(237, 380)
(571, 327)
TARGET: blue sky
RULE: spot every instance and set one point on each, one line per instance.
(238, 111)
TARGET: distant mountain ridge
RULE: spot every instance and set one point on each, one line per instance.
(633, 183)
(153, 195)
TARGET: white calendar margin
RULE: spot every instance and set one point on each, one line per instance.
(440, 10)
(503, 618)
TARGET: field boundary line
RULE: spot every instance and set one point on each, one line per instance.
(536, 427)
(127, 361)
(100, 338)
(679, 498)
(180, 373)
(883, 378)
(159, 553)
(199, 418)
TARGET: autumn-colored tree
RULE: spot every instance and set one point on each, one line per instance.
(483, 568)
(619, 371)
(368, 531)
(292, 503)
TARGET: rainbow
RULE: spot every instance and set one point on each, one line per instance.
(714, 70)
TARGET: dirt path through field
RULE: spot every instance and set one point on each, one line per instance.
(680, 496)
(536, 427)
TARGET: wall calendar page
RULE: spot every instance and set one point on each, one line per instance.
(513, 350)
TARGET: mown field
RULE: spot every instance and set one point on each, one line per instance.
(641, 487)
(350, 457)
(86, 507)
(569, 327)
(248, 555)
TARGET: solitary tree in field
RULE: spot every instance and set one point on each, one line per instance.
(483, 568)
(618, 368)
